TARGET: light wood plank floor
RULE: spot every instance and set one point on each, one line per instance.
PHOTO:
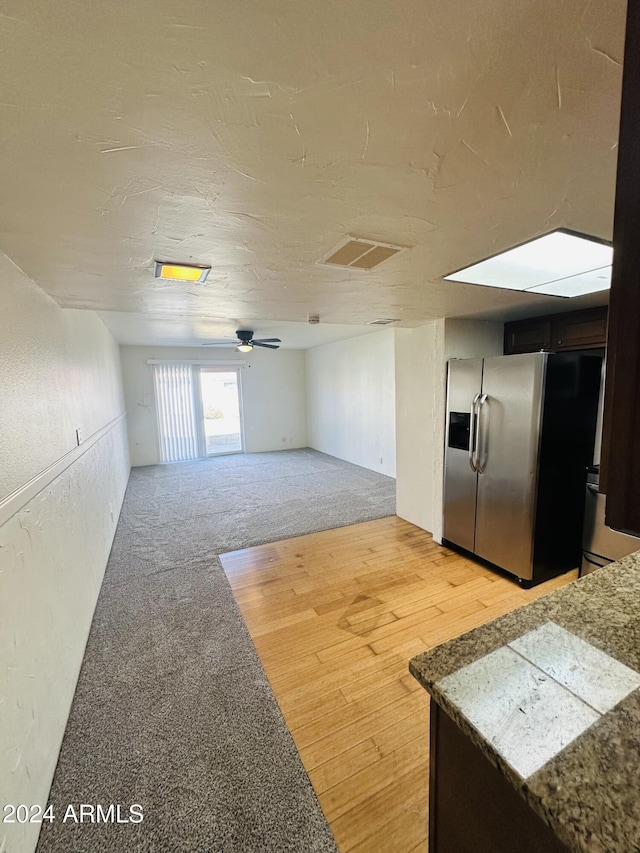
(335, 617)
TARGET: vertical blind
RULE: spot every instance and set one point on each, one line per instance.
(176, 406)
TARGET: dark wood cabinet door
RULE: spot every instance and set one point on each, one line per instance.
(557, 332)
(527, 335)
(472, 807)
(579, 329)
(620, 462)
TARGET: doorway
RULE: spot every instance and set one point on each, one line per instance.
(221, 411)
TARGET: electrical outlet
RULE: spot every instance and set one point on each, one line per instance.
(79, 436)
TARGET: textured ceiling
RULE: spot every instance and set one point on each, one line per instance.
(254, 135)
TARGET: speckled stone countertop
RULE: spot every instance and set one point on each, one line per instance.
(551, 695)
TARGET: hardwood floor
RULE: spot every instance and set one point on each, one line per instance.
(335, 617)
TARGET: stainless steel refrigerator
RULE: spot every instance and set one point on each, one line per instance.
(520, 434)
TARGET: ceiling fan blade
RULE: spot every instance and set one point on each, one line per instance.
(220, 344)
(268, 340)
(266, 346)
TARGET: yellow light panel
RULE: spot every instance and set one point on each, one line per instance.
(181, 272)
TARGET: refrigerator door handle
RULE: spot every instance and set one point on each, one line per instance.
(482, 399)
(472, 434)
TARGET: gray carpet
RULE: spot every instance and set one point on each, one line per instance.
(172, 709)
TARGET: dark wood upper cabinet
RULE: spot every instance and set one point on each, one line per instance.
(579, 329)
(620, 461)
(527, 335)
(557, 332)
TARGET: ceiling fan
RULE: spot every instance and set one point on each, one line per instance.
(246, 342)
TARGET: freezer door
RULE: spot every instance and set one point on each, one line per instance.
(460, 481)
(509, 428)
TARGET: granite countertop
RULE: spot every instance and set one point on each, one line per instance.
(551, 695)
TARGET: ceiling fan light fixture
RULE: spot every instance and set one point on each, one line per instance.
(245, 342)
(181, 272)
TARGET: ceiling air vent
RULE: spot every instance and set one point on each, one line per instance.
(383, 321)
(359, 254)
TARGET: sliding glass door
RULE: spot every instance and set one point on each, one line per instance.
(199, 410)
(221, 411)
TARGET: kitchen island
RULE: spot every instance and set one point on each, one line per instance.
(535, 724)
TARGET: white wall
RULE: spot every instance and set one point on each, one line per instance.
(58, 370)
(273, 393)
(351, 400)
(421, 365)
(419, 354)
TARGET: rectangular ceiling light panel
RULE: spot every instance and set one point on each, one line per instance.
(561, 263)
(355, 253)
(577, 285)
(181, 272)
